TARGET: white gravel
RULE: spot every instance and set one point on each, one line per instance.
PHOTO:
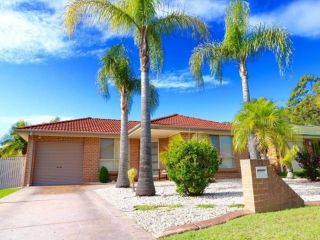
(221, 194)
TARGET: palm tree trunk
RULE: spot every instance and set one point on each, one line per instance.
(252, 141)
(122, 180)
(145, 181)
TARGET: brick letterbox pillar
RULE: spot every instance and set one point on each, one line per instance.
(264, 190)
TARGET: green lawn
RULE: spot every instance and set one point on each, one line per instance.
(7, 191)
(301, 223)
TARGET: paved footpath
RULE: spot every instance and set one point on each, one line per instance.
(64, 212)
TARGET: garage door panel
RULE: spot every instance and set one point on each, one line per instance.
(58, 163)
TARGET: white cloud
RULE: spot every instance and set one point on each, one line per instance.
(205, 9)
(32, 30)
(27, 35)
(184, 81)
(7, 122)
(300, 17)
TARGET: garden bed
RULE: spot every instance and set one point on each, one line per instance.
(168, 209)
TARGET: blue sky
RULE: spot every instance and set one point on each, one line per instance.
(44, 73)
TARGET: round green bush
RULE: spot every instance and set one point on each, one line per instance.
(104, 175)
(191, 164)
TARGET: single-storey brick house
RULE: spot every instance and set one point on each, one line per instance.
(72, 152)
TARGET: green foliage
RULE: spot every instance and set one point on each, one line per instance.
(136, 18)
(147, 207)
(206, 205)
(241, 42)
(300, 173)
(236, 205)
(191, 164)
(7, 191)
(132, 174)
(116, 67)
(104, 175)
(304, 101)
(13, 144)
(268, 123)
(310, 162)
(289, 155)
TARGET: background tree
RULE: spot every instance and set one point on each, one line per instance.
(116, 67)
(55, 120)
(303, 102)
(13, 144)
(239, 44)
(140, 19)
(270, 127)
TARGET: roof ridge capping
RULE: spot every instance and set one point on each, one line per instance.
(53, 123)
(168, 116)
(203, 119)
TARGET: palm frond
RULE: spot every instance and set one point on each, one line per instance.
(97, 11)
(237, 22)
(180, 22)
(142, 11)
(156, 51)
(210, 53)
(276, 40)
(267, 122)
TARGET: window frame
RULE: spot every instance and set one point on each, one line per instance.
(234, 167)
(115, 159)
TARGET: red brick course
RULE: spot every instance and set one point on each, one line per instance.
(204, 224)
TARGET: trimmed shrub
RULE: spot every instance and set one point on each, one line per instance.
(300, 173)
(132, 174)
(104, 175)
(310, 163)
(191, 164)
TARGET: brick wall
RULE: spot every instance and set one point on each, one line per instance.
(91, 159)
(134, 153)
(266, 194)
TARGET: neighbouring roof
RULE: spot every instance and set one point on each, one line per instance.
(112, 126)
(308, 130)
(178, 120)
(83, 125)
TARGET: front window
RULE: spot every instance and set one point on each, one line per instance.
(109, 154)
(223, 145)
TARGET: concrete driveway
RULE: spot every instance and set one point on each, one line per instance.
(64, 212)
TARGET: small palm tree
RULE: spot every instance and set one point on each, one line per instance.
(116, 68)
(141, 20)
(269, 125)
(239, 44)
(13, 144)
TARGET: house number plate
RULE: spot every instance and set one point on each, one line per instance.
(261, 172)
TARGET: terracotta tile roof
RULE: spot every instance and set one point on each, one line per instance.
(112, 126)
(85, 125)
(185, 121)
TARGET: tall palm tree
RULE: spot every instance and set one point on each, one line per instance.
(140, 19)
(13, 144)
(269, 125)
(116, 67)
(239, 44)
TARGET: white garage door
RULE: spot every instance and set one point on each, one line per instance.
(58, 163)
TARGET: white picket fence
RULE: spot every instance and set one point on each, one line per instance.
(12, 172)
